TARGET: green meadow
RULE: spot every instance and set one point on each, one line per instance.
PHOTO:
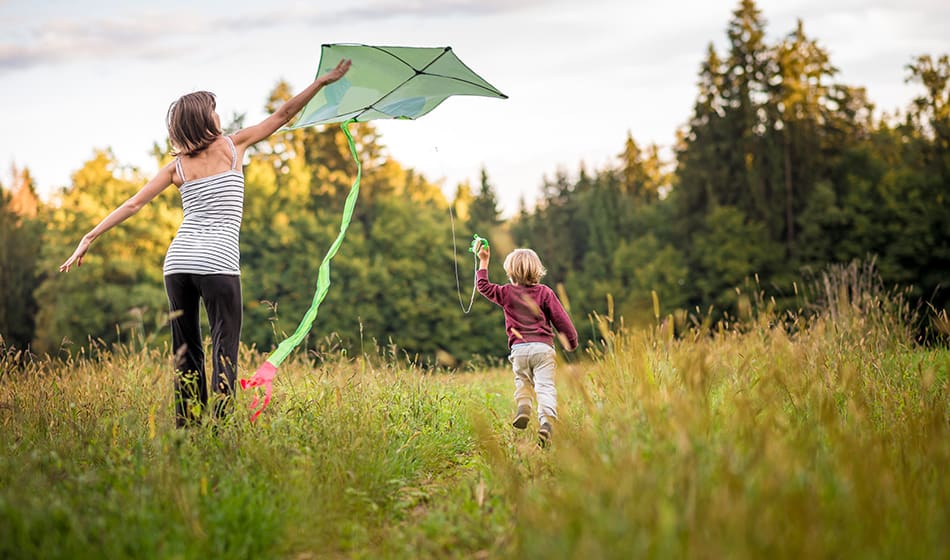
(771, 437)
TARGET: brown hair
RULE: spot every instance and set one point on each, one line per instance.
(524, 267)
(191, 123)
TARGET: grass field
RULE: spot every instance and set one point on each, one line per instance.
(831, 442)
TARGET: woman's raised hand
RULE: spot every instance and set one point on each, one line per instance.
(338, 72)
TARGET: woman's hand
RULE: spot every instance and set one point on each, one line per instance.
(254, 134)
(333, 75)
(77, 255)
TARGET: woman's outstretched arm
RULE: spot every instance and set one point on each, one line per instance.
(160, 182)
(253, 134)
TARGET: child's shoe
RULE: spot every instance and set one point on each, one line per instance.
(522, 417)
(544, 434)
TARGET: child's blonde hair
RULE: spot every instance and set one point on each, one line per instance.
(524, 267)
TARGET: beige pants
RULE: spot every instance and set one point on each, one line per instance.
(533, 364)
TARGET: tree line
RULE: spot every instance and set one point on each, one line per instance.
(780, 169)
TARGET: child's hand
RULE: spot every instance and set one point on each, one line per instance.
(484, 255)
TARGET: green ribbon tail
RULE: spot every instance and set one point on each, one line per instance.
(323, 275)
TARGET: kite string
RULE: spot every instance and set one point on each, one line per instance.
(455, 261)
(455, 253)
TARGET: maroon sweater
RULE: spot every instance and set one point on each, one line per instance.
(529, 311)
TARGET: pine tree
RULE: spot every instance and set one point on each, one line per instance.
(749, 69)
(484, 214)
(702, 165)
(800, 98)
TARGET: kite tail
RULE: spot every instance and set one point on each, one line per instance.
(264, 376)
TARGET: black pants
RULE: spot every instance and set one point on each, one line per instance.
(222, 298)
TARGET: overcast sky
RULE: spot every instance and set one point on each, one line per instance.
(76, 75)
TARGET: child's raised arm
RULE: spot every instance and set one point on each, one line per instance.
(484, 255)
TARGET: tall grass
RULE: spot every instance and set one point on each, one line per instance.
(92, 466)
(826, 438)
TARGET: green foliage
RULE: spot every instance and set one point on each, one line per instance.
(607, 237)
(642, 268)
(808, 169)
(21, 226)
(393, 281)
(483, 212)
(732, 249)
(122, 271)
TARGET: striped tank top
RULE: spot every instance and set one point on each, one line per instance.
(208, 240)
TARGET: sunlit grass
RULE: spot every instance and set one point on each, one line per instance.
(828, 439)
(746, 445)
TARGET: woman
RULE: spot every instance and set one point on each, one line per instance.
(203, 260)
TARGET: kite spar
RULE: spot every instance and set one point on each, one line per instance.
(382, 83)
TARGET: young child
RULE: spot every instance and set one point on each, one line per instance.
(530, 309)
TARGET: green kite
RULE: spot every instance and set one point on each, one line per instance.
(382, 83)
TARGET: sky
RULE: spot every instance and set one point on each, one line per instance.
(80, 75)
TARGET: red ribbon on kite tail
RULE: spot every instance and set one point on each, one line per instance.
(263, 377)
